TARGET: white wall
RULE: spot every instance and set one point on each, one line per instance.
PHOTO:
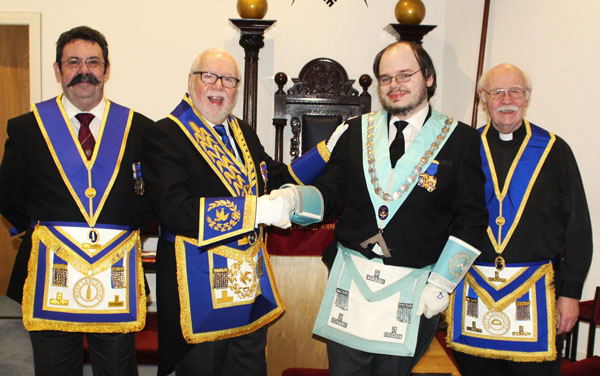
(152, 44)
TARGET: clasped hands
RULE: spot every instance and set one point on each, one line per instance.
(275, 208)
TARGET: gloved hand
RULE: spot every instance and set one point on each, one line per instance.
(289, 195)
(335, 136)
(433, 301)
(273, 211)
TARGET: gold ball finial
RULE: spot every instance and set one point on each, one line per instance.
(256, 9)
(410, 12)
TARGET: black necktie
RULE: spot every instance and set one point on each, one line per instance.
(397, 146)
(220, 129)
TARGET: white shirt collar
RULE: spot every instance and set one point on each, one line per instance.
(97, 111)
(415, 124)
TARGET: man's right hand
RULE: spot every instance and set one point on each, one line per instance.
(273, 211)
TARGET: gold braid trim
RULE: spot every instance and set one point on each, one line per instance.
(501, 304)
(184, 298)
(323, 150)
(33, 324)
(515, 356)
(66, 253)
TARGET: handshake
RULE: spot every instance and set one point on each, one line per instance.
(275, 208)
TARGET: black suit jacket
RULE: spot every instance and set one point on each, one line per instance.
(178, 176)
(31, 188)
(420, 228)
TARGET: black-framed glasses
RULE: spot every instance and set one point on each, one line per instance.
(513, 92)
(75, 63)
(400, 78)
(211, 78)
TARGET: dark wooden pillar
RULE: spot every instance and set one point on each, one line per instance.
(252, 40)
(409, 33)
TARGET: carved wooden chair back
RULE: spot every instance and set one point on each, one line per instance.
(321, 98)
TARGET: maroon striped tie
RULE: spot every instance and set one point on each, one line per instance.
(86, 138)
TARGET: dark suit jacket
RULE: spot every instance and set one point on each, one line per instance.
(420, 228)
(177, 177)
(32, 189)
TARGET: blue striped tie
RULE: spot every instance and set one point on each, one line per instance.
(220, 129)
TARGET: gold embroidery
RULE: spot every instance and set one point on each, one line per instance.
(78, 262)
(224, 298)
(33, 323)
(88, 292)
(223, 221)
(116, 302)
(59, 300)
(184, 293)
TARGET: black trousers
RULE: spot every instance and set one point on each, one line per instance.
(345, 361)
(61, 353)
(238, 356)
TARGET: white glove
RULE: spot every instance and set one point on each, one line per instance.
(290, 197)
(272, 211)
(335, 136)
(433, 301)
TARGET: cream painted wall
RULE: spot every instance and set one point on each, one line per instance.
(153, 42)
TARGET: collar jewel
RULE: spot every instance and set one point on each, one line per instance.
(386, 196)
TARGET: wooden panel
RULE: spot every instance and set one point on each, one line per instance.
(14, 94)
(435, 361)
(301, 282)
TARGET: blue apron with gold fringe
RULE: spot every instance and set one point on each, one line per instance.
(85, 276)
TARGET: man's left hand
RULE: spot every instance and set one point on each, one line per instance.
(567, 312)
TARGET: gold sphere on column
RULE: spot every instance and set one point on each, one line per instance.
(252, 8)
(410, 12)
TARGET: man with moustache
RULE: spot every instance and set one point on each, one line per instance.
(539, 242)
(71, 180)
(403, 214)
(208, 177)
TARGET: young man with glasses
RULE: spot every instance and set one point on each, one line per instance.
(208, 177)
(416, 208)
(71, 181)
(539, 243)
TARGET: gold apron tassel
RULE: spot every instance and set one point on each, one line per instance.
(220, 278)
(117, 276)
(259, 268)
(472, 307)
(523, 311)
(59, 275)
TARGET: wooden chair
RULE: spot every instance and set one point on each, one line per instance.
(321, 98)
(589, 311)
